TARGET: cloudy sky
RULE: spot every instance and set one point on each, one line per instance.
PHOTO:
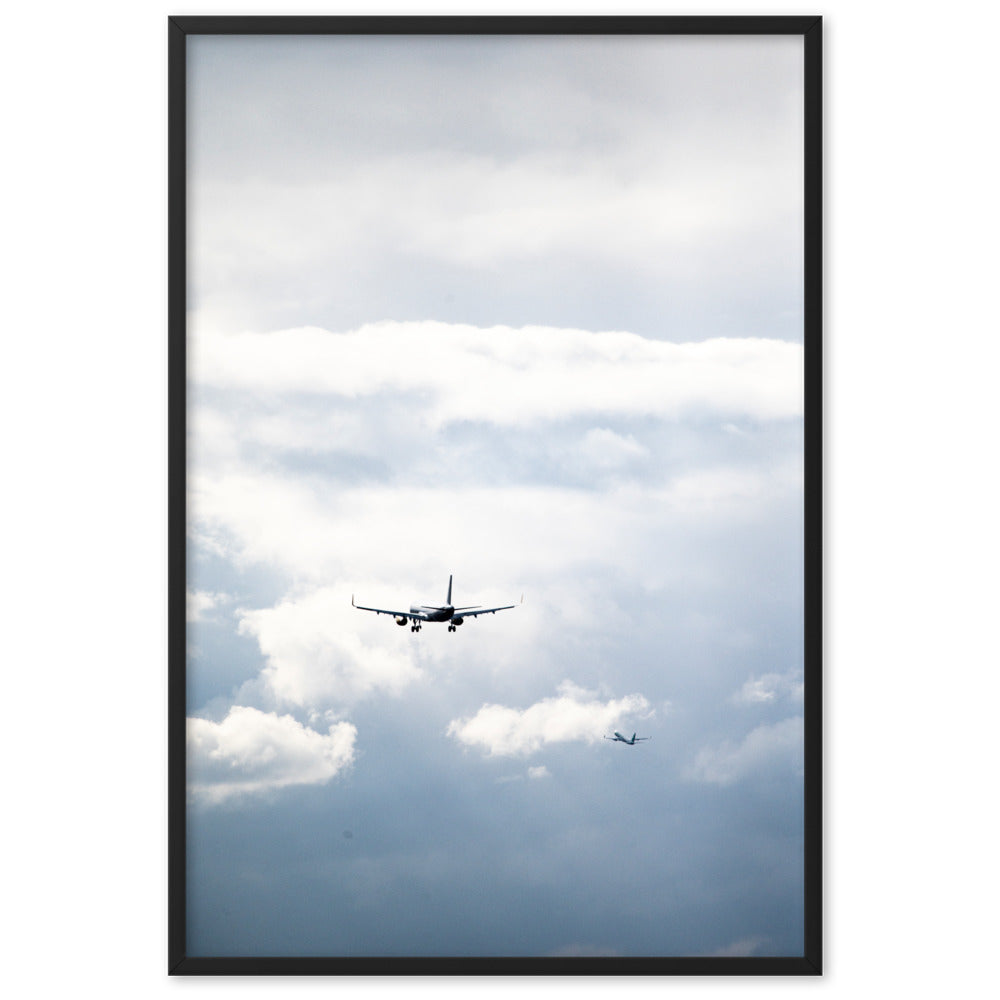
(527, 311)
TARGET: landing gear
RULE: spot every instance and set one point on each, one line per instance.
(451, 628)
(414, 628)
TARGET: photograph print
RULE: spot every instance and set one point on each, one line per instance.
(491, 514)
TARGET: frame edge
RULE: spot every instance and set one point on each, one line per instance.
(176, 493)
(813, 482)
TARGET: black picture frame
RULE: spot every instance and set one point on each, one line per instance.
(809, 962)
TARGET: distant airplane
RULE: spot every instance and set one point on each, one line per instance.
(618, 738)
(420, 613)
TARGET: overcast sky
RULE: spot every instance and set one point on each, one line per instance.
(529, 312)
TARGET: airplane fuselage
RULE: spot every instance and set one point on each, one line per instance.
(431, 614)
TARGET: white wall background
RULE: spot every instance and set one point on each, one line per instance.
(912, 544)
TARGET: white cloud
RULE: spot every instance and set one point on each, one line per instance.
(774, 747)
(772, 687)
(252, 751)
(316, 533)
(537, 773)
(511, 377)
(575, 714)
(199, 602)
(258, 495)
(602, 448)
(488, 212)
(727, 490)
(464, 211)
(320, 652)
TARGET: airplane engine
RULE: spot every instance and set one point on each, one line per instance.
(402, 621)
(457, 621)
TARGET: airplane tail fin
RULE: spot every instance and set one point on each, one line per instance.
(448, 598)
(633, 737)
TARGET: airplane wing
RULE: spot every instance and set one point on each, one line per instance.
(486, 611)
(396, 614)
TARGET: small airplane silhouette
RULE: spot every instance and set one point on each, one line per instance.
(420, 613)
(618, 738)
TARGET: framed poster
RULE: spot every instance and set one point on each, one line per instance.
(495, 495)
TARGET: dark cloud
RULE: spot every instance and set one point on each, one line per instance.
(613, 849)
(645, 184)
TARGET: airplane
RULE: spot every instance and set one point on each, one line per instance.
(420, 613)
(618, 738)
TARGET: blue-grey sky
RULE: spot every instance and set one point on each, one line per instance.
(528, 312)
